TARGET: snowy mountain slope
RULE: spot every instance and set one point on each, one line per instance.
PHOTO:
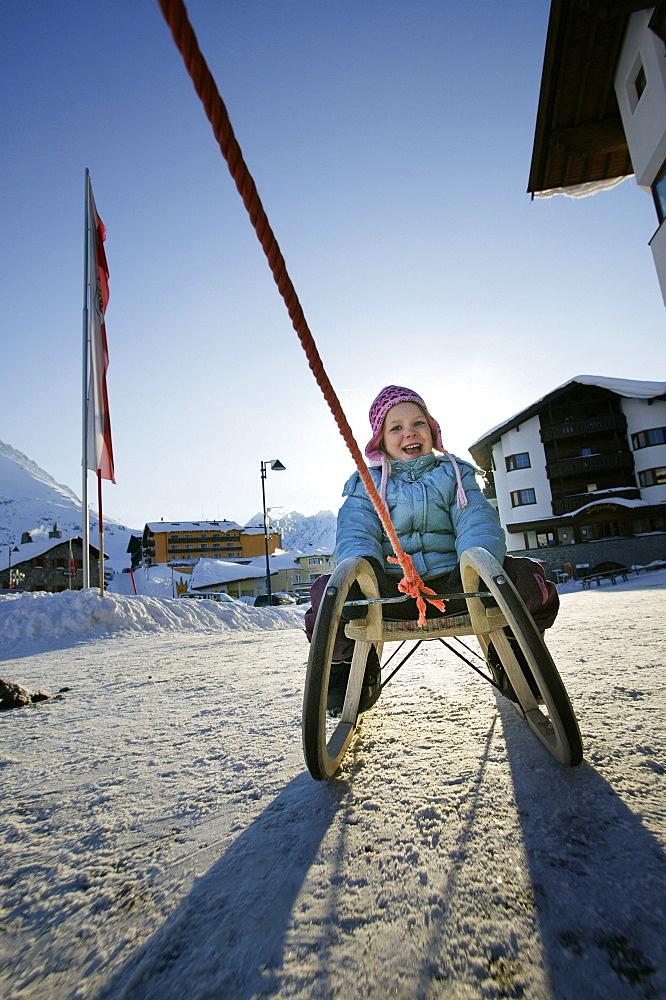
(31, 500)
(303, 532)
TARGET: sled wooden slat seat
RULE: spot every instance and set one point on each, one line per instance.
(434, 628)
(493, 606)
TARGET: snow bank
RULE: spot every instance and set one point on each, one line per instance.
(86, 613)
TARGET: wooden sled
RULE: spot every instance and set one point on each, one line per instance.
(492, 603)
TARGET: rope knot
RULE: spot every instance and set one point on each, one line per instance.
(412, 585)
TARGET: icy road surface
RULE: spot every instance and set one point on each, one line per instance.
(160, 838)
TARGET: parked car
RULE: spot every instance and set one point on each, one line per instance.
(278, 598)
(222, 598)
(262, 600)
(303, 600)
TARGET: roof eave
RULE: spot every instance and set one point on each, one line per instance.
(579, 138)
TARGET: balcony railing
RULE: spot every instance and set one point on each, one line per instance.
(566, 504)
(591, 425)
(590, 463)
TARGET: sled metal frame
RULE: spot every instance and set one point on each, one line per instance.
(550, 716)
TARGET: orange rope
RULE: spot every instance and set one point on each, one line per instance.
(176, 17)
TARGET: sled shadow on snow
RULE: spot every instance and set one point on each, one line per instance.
(227, 938)
(598, 876)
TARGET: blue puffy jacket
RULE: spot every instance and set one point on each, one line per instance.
(421, 498)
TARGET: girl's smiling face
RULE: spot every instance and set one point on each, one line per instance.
(406, 432)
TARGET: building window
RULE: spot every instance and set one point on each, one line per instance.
(636, 84)
(519, 498)
(656, 435)
(544, 539)
(315, 561)
(653, 477)
(520, 461)
(640, 82)
(644, 525)
(604, 529)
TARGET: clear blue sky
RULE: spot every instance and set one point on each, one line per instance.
(391, 144)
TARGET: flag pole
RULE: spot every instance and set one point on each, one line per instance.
(101, 532)
(98, 455)
(85, 522)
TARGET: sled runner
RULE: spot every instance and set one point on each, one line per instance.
(492, 604)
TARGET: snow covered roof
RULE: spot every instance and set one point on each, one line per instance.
(630, 388)
(161, 526)
(621, 386)
(210, 572)
(313, 550)
(622, 501)
(28, 550)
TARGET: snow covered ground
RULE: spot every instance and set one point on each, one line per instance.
(161, 839)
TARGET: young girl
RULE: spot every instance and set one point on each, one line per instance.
(438, 511)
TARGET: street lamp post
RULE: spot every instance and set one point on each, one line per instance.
(277, 466)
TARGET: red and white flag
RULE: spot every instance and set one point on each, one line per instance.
(100, 448)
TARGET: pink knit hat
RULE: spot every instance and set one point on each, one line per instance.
(390, 396)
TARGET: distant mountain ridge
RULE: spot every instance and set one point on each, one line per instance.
(6, 451)
(301, 532)
(32, 501)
